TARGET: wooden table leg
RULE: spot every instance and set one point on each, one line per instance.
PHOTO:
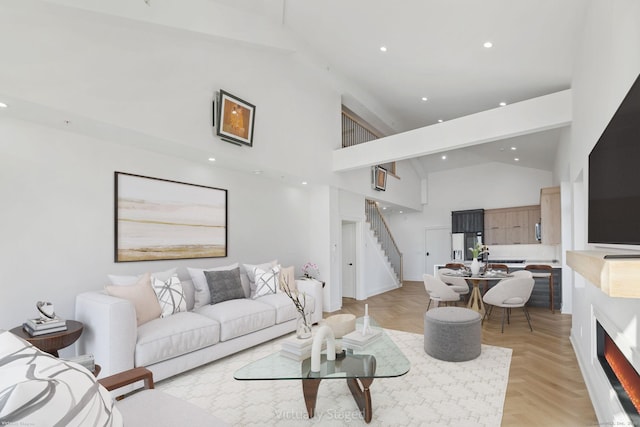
(362, 396)
(310, 392)
(475, 300)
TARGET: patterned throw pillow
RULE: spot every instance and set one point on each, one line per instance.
(266, 281)
(170, 295)
(41, 390)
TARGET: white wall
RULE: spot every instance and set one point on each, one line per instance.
(607, 64)
(58, 216)
(488, 186)
(139, 101)
(403, 190)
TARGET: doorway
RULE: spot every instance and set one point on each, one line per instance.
(349, 254)
(437, 247)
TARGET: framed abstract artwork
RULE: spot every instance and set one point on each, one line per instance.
(235, 119)
(379, 178)
(158, 219)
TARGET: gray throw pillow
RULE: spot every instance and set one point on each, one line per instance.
(224, 285)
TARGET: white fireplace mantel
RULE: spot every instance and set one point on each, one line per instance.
(618, 278)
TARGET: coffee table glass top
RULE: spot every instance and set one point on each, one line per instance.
(379, 359)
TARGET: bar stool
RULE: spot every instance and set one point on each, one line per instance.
(544, 271)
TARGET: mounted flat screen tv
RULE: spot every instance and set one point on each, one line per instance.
(614, 177)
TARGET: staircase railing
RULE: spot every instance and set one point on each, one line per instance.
(381, 230)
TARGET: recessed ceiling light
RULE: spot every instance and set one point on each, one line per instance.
(444, 157)
(384, 208)
(257, 172)
(212, 159)
(488, 45)
(3, 105)
(304, 182)
(400, 211)
(424, 98)
(502, 104)
(516, 159)
(514, 148)
(440, 120)
(383, 48)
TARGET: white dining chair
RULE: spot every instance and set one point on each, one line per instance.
(509, 293)
(439, 291)
(457, 283)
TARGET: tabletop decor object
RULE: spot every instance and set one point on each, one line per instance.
(310, 270)
(303, 328)
(476, 251)
(341, 324)
(46, 309)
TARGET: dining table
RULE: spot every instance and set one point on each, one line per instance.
(475, 299)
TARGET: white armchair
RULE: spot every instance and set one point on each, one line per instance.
(457, 283)
(439, 291)
(508, 294)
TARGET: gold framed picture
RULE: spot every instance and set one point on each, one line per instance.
(235, 119)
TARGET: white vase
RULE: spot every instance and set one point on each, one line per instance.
(475, 267)
(303, 326)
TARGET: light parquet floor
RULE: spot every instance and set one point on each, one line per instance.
(545, 384)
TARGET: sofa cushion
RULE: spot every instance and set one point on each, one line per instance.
(239, 317)
(131, 280)
(202, 296)
(266, 281)
(288, 278)
(189, 293)
(41, 390)
(172, 336)
(224, 285)
(141, 296)
(170, 295)
(285, 310)
(248, 276)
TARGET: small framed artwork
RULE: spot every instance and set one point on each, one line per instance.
(235, 119)
(158, 219)
(379, 178)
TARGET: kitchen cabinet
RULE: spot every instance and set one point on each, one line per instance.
(494, 227)
(550, 215)
(469, 221)
(511, 226)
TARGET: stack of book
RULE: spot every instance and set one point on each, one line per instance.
(43, 325)
(297, 349)
(356, 341)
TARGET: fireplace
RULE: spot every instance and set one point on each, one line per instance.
(623, 377)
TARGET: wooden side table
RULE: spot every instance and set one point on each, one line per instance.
(54, 341)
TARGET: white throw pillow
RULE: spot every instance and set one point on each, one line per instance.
(131, 280)
(266, 281)
(202, 295)
(170, 295)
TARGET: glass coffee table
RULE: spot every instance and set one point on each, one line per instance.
(379, 359)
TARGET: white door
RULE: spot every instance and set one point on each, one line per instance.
(437, 245)
(348, 260)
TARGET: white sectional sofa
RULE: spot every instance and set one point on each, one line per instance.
(170, 345)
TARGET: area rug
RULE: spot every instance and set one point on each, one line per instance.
(433, 393)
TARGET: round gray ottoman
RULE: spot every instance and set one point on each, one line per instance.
(452, 333)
